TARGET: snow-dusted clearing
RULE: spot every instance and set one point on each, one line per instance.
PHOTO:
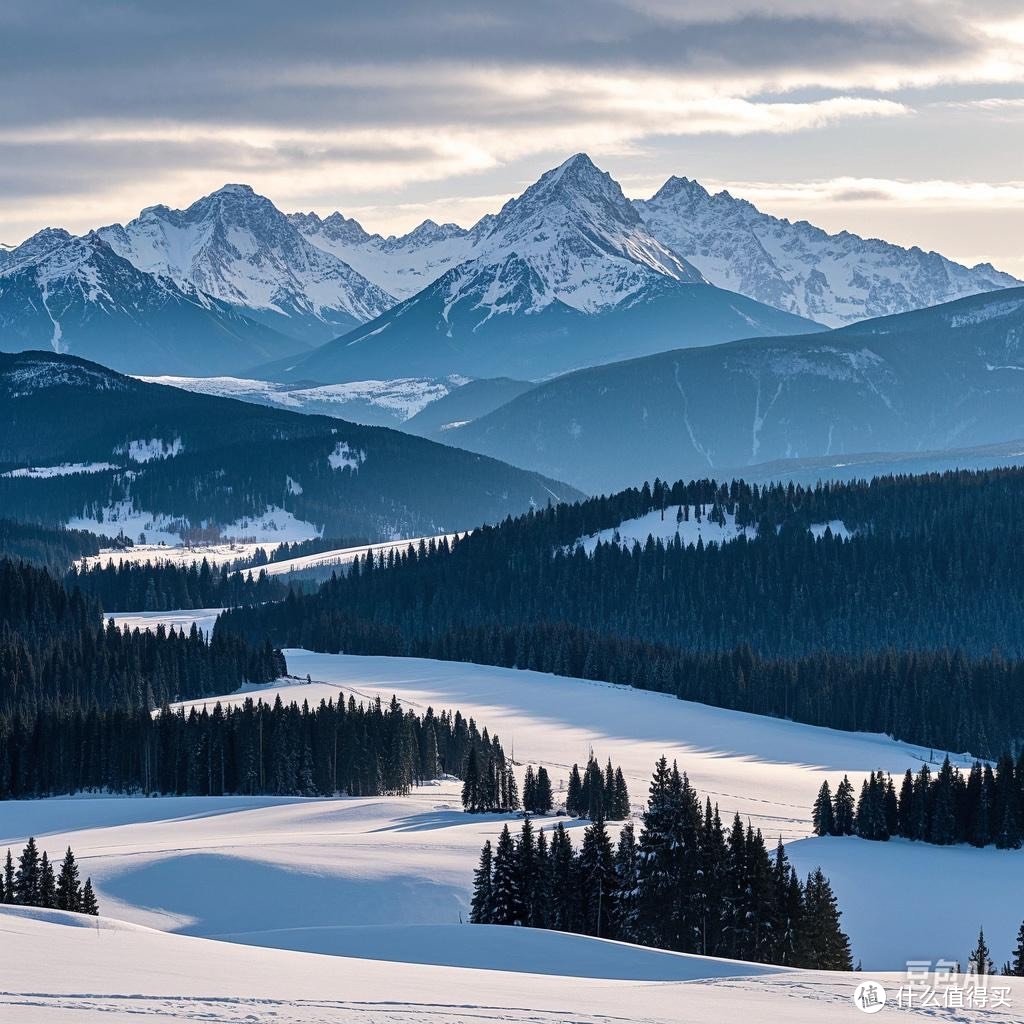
(402, 398)
(64, 469)
(115, 973)
(161, 531)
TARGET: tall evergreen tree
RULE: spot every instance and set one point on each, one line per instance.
(823, 946)
(69, 895)
(821, 816)
(507, 899)
(482, 906)
(26, 881)
(980, 959)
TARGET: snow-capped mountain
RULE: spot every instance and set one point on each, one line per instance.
(401, 265)
(77, 295)
(573, 229)
(565, 276)
(239, 248)
(832, 278)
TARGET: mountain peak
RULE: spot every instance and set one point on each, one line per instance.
(677, 187)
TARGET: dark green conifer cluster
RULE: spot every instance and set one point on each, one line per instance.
(162, 586)
(596, 794)
(252, 748)
(35, 883)
(683, 884)
(984, 808)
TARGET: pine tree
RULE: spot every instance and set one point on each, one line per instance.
(526, 873)
(843, 812)
(89, 904)
(471, 783)
(565, 913)
(574, 793)
(621, 803)
(822, 817)
(625, 878)
(507, 904)
(26, 882)
(980, 960)
(529, 790)
(482, 906)
(10, 892)
(69, 895)
(823, 945)
(544, 799)
(47, 883)
(1016, 966)
(598, 880)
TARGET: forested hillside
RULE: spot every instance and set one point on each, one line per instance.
(900, 611)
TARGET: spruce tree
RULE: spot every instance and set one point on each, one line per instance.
(26, 882)
(544, 798)
(564, 915)
(89, 904)
(621, 797)
(596, 868)
(529, 790)
(10, 892)
(1016, 966)
(844, 812)
(69, 895)
(482, 906)
(471, 783)
(823, 945)
(821, 816)
(47, 883)
(574, 793)
(507, 904)
(980, 960)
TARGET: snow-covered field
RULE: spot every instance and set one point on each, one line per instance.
(193, 865)
(117, 973)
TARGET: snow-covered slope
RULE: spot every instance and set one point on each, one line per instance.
(116, 974)
(401, 265)
(832, 278)
(238, 247)
(387, 403)
(77, 295)
(191, 865)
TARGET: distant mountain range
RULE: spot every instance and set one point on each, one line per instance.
(567, 275)
(80, 443)
(78, 295)
(931, 380)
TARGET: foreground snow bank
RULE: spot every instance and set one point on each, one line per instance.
(113, 976)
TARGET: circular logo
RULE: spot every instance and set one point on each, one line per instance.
(869, 997)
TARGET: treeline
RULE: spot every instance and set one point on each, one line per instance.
(54, 548)
(163, 586)
(892, 630)
(56, 653)
(254, 748)
(684, 884)
(34, 883)
(941, 699)
(985, 808)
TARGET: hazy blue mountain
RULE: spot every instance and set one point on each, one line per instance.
(930, 380)
(198, 461)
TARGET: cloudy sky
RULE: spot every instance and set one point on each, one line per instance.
(902, 120)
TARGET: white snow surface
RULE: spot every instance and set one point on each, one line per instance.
(64, 469)
(275, 524)
(403, 398)
(401, 861)
(146, 451)
(666, 528)
(117, 974)
(344, 457)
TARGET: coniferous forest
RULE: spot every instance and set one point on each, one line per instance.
(56, 652)
(251, 749)
(983, 809)
(684, 883)
(162, 586)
